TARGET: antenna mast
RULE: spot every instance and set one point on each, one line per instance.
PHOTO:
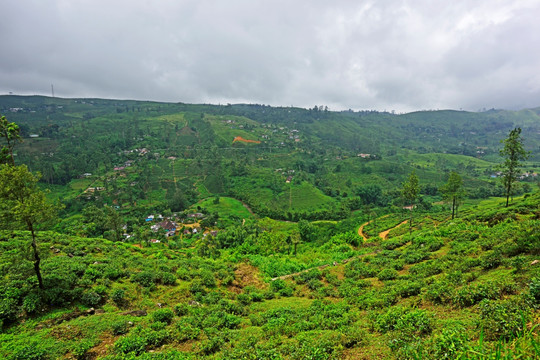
(52, 90)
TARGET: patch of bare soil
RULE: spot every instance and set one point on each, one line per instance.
(245, 275)
(239, 138)
(361, 231)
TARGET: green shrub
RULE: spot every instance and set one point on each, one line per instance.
(387, 274)
(244, 299)
(186, 332)
(412, 321)
(211, 298)
(208, 279)
(306, 276)
(130, 344)
(534, 289)
(332, 278)
(414, 256)
(377, 299)
(163, 315)
(281, 287)
(32, 303)
(440, 292)
(94, 271)
(354, 336)
(140, 339)
(184, 274)
(359, 270)
(502, 319)
(231, 307)
(196, 288)
(33, 350)
(351, 288)
(144, 278)
(168, 278)
(394, 243)
(450, 343)
(181, 309)
(119, 327)
(81, 348)
(314, 284)
(211, 345)
(427, 242)
(8, 309)
(408, 289)
(157, 325)
(90, 298)
(113, 271)
(472, 294)
(491, 260)
(220, 320)
(428, 268)
(118, 296)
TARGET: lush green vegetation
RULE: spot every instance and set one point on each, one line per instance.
(172, 241)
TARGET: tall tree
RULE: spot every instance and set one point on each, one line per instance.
(513, 153)
(22, 202)
(11, 134)
(410, 191)
(306, 231)
(114, 223)
(453, 191)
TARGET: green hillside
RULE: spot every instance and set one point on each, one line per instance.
(319, 149)
(185, 231)
(450, 289)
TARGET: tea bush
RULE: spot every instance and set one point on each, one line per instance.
(534, 289)
(118, 296)
(144, 278)
(387, 274)
(502, 319)
(411, 321)
(163, 315)
(450, 343)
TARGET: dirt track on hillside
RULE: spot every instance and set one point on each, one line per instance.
(335, 263)
(361, 231)
(383, 235)
(239, 138)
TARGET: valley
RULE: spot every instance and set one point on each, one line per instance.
(195, 231)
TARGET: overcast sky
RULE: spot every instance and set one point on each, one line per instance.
(384, 55)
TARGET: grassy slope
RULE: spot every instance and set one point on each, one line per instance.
(456, 256)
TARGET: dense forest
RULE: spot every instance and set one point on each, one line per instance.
(134, 229)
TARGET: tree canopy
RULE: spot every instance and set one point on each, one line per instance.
(11, 134)
(513, 153)
(24, 204)
(453, 191)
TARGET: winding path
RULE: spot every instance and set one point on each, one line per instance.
(361, 231)
(384, 235)
(335, 263)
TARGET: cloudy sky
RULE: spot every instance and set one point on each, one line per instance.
(386, 55)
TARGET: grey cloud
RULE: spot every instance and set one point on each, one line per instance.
(402, 55)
